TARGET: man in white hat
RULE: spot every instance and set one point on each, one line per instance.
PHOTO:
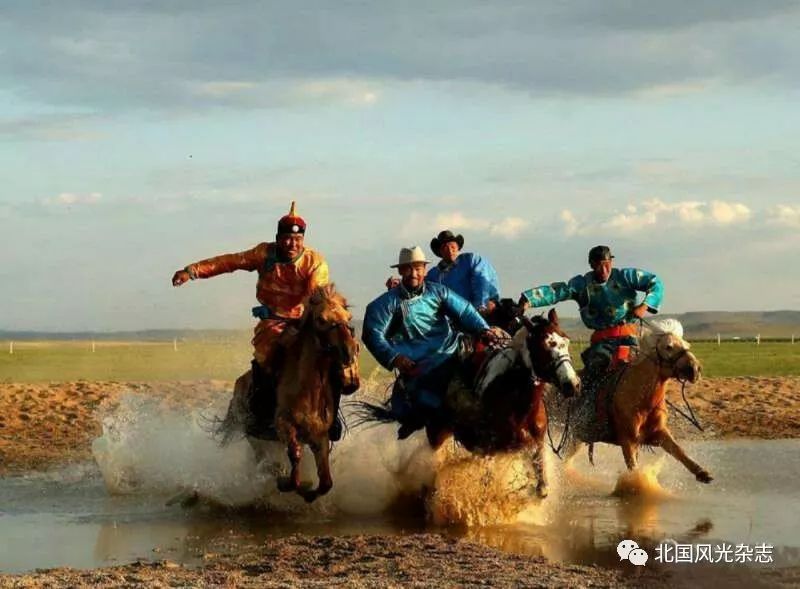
(410, 328)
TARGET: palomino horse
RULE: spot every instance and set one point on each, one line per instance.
(307, 389)
(638, 411)
(510, 411)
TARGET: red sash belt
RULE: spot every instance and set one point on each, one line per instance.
(626, 330)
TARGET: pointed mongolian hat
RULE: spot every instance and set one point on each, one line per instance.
(291, 223)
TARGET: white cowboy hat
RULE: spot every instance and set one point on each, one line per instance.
(410, 255)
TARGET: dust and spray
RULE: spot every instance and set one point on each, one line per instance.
(147, 448)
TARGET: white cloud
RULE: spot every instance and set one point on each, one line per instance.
(223, 88)
(655, 213)
(418, 226)
(728, 213)
(571, 225)
(69, 199)
(287, 92)
(340, 90)
(785, 215)
(508, 227)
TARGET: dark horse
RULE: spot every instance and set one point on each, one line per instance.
(503, 410)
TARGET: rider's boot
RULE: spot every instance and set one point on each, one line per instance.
(263, 401)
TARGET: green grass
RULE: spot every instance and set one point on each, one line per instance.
(144, 361)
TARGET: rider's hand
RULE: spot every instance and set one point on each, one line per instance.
(524, 303)
(489, 336)
(180, 277)
(487, 310)
(392, 282)
(640, 311)
(404, 364)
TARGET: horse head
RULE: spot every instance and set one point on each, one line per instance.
(331, 321)
(663, 342)
(675, 359)
(546, 352)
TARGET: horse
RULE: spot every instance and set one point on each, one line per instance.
(314, 351)
(636, 399)
(503, 410)
(511, 413)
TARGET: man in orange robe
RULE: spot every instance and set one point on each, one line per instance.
(287, 273)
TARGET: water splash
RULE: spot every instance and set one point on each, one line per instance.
(643, 482)
(149, 448)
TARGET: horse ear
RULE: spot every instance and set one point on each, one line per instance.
(552, 316)
(526, 321)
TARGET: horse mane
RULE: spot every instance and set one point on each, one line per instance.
(327, 293)
(655, 328)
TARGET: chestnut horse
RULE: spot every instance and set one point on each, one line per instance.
(307, 390)
(504, 408)
(638, 411)
(509, 413)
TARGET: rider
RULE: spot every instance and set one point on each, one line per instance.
(607, 300)
(409, 328)
(288, 272)
(468, 274)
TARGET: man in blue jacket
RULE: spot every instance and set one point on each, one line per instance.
(469, 274)
(607, 298)
(411, 328)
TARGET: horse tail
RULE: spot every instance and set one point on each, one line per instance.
(365, 413)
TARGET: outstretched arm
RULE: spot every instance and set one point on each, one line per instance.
(247, 260)
(550, 294)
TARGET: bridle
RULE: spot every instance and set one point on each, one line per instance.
(553, 363)
(325, 346)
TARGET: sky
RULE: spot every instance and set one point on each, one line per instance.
(137, 137)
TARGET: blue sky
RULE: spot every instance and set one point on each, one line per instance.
(138, 137)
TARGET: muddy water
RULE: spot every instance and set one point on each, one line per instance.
(68, 518)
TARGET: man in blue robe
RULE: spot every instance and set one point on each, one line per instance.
(470, 275)
(607, 298)
(412, 328)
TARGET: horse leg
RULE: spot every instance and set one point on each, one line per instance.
(537, 431)
(321, 452)
(668, 443)
(630, 449)
(542, 488)
(295, 453)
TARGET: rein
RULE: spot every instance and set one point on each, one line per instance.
(660, 361)
(691, 417)
(564, 435)
(553, 365)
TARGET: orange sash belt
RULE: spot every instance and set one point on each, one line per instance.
(626, 330)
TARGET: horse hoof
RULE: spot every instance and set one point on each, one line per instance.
(286, 485)
(309, 496)
(542, 491)
(704, 477)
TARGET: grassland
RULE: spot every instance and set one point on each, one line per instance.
(59, 361)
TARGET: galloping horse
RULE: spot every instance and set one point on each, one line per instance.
(638, 412)
(307, 387)
(510, 412)
(504, 410)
